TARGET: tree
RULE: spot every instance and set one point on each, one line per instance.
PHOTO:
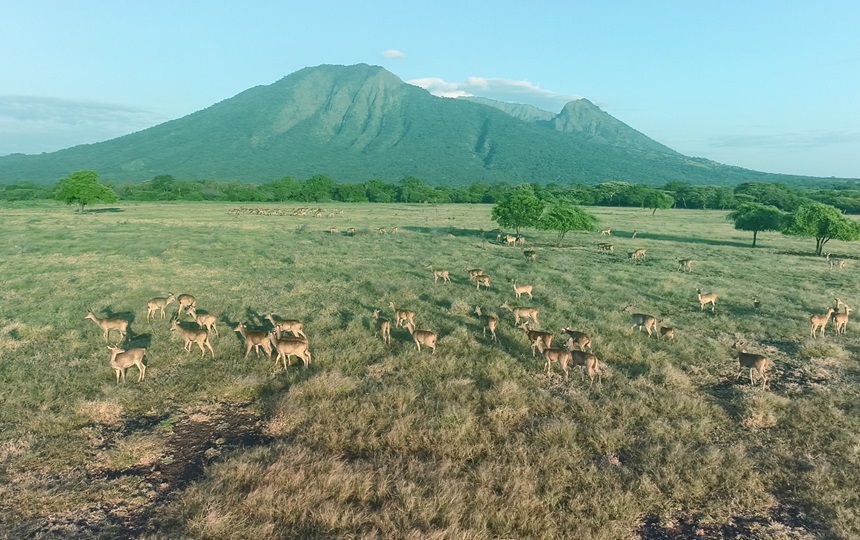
(822, 222)
(518, 208)
(565, 217)
(659, 200)
(757, 217)
(83, 188)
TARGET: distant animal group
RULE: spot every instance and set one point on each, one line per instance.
(274, 340)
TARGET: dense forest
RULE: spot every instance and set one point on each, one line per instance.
(844, 195)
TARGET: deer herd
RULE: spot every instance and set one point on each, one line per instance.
(286, 338)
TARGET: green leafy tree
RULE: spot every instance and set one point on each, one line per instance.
(518, 208)
(822, 222)
(565, 217)
(659, 200)
(757, 217)
(318, 188)
(83, 188)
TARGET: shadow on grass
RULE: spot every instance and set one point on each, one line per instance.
(103, 210)
(453, 231)
(728, 396)
(679, 239)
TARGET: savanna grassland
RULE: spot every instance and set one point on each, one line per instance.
(377, 441)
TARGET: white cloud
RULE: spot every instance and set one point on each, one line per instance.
(393, 53)
(499, 89)
(30, 124)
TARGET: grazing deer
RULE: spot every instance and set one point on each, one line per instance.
(426, 337)
(296, 328)
(535, 336)
(107, 324)
(562, 356)
(394, 230)
(488, 321)
(186, 301)
(120, 359)
(754, 362)
(350, 231)
(580, 339)
(403, 316)
(200, 337)
(383, 325)
(288, 347)
(607, 232)
(482, 280)
(667, 331)
(381, 230)
(820, 321)
(157, 304)
(475, 272)
(519, 290)
(705, 299)
(641, 320)
(530, 255)
(439, 274)
(522, 313)
(204, 320)
(587, 362)
(756, 304)
(685, 265)
(254, 339)
(604, 246)
(840, 319)
(521, 240)
(637, 255)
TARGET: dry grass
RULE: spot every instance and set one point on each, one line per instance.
(378, 441)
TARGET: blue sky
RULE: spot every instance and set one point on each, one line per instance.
(767, 85)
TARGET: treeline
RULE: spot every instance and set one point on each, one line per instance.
(320, 188)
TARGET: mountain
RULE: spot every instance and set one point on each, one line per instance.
(356, 123)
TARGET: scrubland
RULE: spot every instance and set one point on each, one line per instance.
(382, 441)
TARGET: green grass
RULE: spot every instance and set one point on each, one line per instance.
(383, 441)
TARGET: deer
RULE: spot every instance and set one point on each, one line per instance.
(475, 272)
(402, 316)
(562, 356)
(510, 240)
(607, 232)
(705, 299)
(120, 359)
(482, 280)
(519, 290)
(201, 337)
(839, 263)
(667, 331)
(186, 301)
(439, 274)
(820, 321)
(350, 231)
(296, 328)
(637, 255)
(204, 320)
(288, 347)
(754, 362)
(685, 265)
(383, 325)
(840, 319)
(157, 304)
(587, 362)
(522, 313)
(394, 230)
(604, 246)
(530, 255)
(488, 321)
(756, 305)
(641, 320)
(537, 335)
(381, 230)
(426, 337)
(577, 338)
(521, 240)
(254, 339)
(108, 324)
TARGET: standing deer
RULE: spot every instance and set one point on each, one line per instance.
(820, 321)
(288, 347)
(439, 274)
(641, 320)
(204, 320)
(426, 337)
(522, 313)
(403, 316)
(157, 304)
(754, 362)
(488, 321)
(120, 359)
(705, 299)
(107, 324)
(383, 325)
(519, 290)
(200, 337)
(536, 336)
(254, 339)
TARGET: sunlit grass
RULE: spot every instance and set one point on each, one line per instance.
(385, 441)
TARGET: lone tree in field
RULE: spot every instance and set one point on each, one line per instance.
(519, 208)
(757, 217)
(659, 200)
(565, 217)
(822, 222)
(83, 188)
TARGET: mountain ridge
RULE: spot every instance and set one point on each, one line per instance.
(362, 122)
